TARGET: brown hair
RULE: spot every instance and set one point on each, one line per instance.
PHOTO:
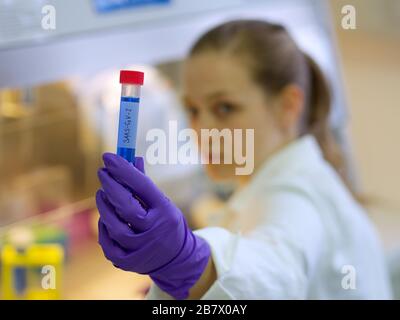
(276, 61)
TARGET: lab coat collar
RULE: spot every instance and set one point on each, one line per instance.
(301, 153)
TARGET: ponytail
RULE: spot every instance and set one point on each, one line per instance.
(317, 122)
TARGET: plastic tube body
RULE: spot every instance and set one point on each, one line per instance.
(128, 121)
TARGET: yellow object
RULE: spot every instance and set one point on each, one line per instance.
(43, 260)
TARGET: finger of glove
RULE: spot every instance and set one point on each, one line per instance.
(126, 205)
(111, 249)
(118, 230)
(141, 185)
(139, 164)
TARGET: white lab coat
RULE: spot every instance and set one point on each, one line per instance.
(299, 234)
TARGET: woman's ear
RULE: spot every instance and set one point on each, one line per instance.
(291, 105)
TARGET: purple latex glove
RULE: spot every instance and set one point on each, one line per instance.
(141, 230)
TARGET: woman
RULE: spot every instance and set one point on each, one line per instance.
(293, 229)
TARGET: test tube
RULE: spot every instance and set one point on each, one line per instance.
(131, 82)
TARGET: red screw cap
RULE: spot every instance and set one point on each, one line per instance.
(131, 77)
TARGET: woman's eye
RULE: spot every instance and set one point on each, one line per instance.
(224, 109)
(192, 112)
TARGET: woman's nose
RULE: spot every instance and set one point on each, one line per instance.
(207, 121)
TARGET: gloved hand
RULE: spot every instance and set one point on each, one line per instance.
(141, 230)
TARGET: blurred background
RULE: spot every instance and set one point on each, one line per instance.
(59, 103)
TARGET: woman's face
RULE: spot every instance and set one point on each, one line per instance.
(220, 93)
